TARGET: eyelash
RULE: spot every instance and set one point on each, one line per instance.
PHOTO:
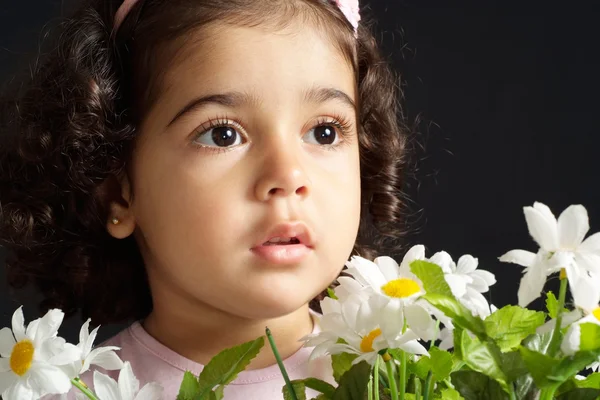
(342, 124)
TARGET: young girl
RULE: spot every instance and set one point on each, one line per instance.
(204, 167)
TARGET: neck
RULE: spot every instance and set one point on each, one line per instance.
(199, 332)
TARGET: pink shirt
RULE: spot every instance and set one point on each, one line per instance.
(153, 362)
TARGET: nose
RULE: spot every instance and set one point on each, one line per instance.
(283, 174)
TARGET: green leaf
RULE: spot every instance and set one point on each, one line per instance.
(299, 389)
(189, 388)
(460, 315)
(432, 277)
(512, 365)
(320, 386)
(571, 366)
(590, 336)
(592, 381)
(552, 305)
(225, 366)
(509, 325)
(484, 357)
(540, 366)
(219, 392)
(439, 363)
(331, 294)
(580, 394)
(353, 384)
(341, 363)
(473, 385)
(524, 384)
(451, 394)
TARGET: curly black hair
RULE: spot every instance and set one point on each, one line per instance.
(71, 127)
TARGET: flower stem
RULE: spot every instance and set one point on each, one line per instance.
(79, 384)
(286, 378)
(428, 386)
(402, 374)
(370, 388)
(376, 378)
(555, 341)
(417, 388)
(392, 379)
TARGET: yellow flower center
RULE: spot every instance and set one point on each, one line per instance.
(366, 345)
(401, 288)
(22, 357)
(596, 313)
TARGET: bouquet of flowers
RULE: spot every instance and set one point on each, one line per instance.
(421, 329)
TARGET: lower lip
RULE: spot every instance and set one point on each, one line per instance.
(283, 254)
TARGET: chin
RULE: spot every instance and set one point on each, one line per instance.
(275, 305)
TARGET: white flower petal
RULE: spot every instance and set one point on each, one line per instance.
(457, 284)
(477, 303)
(7, 379)
(368, 357)
(585, 290)
(414, 347)
(128, 383)
(414, 253)
(104, 357)
(542, 227)
(420, 321)
(531, 285)
(48, 326)
(68, 355)
(329, 306)
(7, 342)
(388, 267)
(348, 287)
(573, 225)
(19, 390)
(48, 379)
(591, 244)
(391, 320)
(466, 264)
(105, 387)
(572, 340)
(366, 272)
(444, 261)
(150, 391)
(482, 280)
(18, 324)
(521, 257)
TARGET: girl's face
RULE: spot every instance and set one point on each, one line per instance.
(254, 137)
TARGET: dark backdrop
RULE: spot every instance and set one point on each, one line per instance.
(507, 98)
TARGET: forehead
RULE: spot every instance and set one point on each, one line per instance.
(271, 65)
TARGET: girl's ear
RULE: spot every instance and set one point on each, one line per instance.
(118, 198)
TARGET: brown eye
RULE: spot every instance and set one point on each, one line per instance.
(220, 136)
(324, 135)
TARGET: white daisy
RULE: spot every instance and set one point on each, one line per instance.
(31, 358)
(466, 281)
(127, 388)
(396, 287)
(562, 245)
(364, 328)
(104, 357)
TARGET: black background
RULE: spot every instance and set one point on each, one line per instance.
(507, 96)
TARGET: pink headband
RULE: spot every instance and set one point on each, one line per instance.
(348, 7)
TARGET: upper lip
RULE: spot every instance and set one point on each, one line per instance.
(298, 230)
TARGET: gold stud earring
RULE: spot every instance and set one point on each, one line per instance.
(115, 221)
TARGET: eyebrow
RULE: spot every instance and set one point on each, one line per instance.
(234, 99)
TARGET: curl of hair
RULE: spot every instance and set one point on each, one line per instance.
(67, 131)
